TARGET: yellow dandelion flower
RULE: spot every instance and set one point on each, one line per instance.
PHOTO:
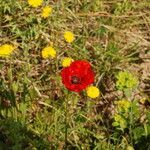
(67, 61)
(6, 50)
(92, 92)
(69, 36)
(46, 11)
(48, 52)
(35, 3)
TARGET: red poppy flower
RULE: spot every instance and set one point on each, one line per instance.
(77, 76)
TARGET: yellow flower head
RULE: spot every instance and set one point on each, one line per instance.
(69, 36)
(48, 52)
(46, 11)
(6, 50)
(123, 105)
(120, 121)
(92, 92)
(67, 61)
(35, 3)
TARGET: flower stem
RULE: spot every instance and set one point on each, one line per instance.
(66, 121)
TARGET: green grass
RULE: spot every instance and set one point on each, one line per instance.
(37, 111)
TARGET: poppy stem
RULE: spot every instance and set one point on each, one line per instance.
(66, 121)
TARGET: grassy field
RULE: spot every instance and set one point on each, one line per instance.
(38, 112)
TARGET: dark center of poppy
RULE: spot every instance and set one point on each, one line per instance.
(75, 80)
